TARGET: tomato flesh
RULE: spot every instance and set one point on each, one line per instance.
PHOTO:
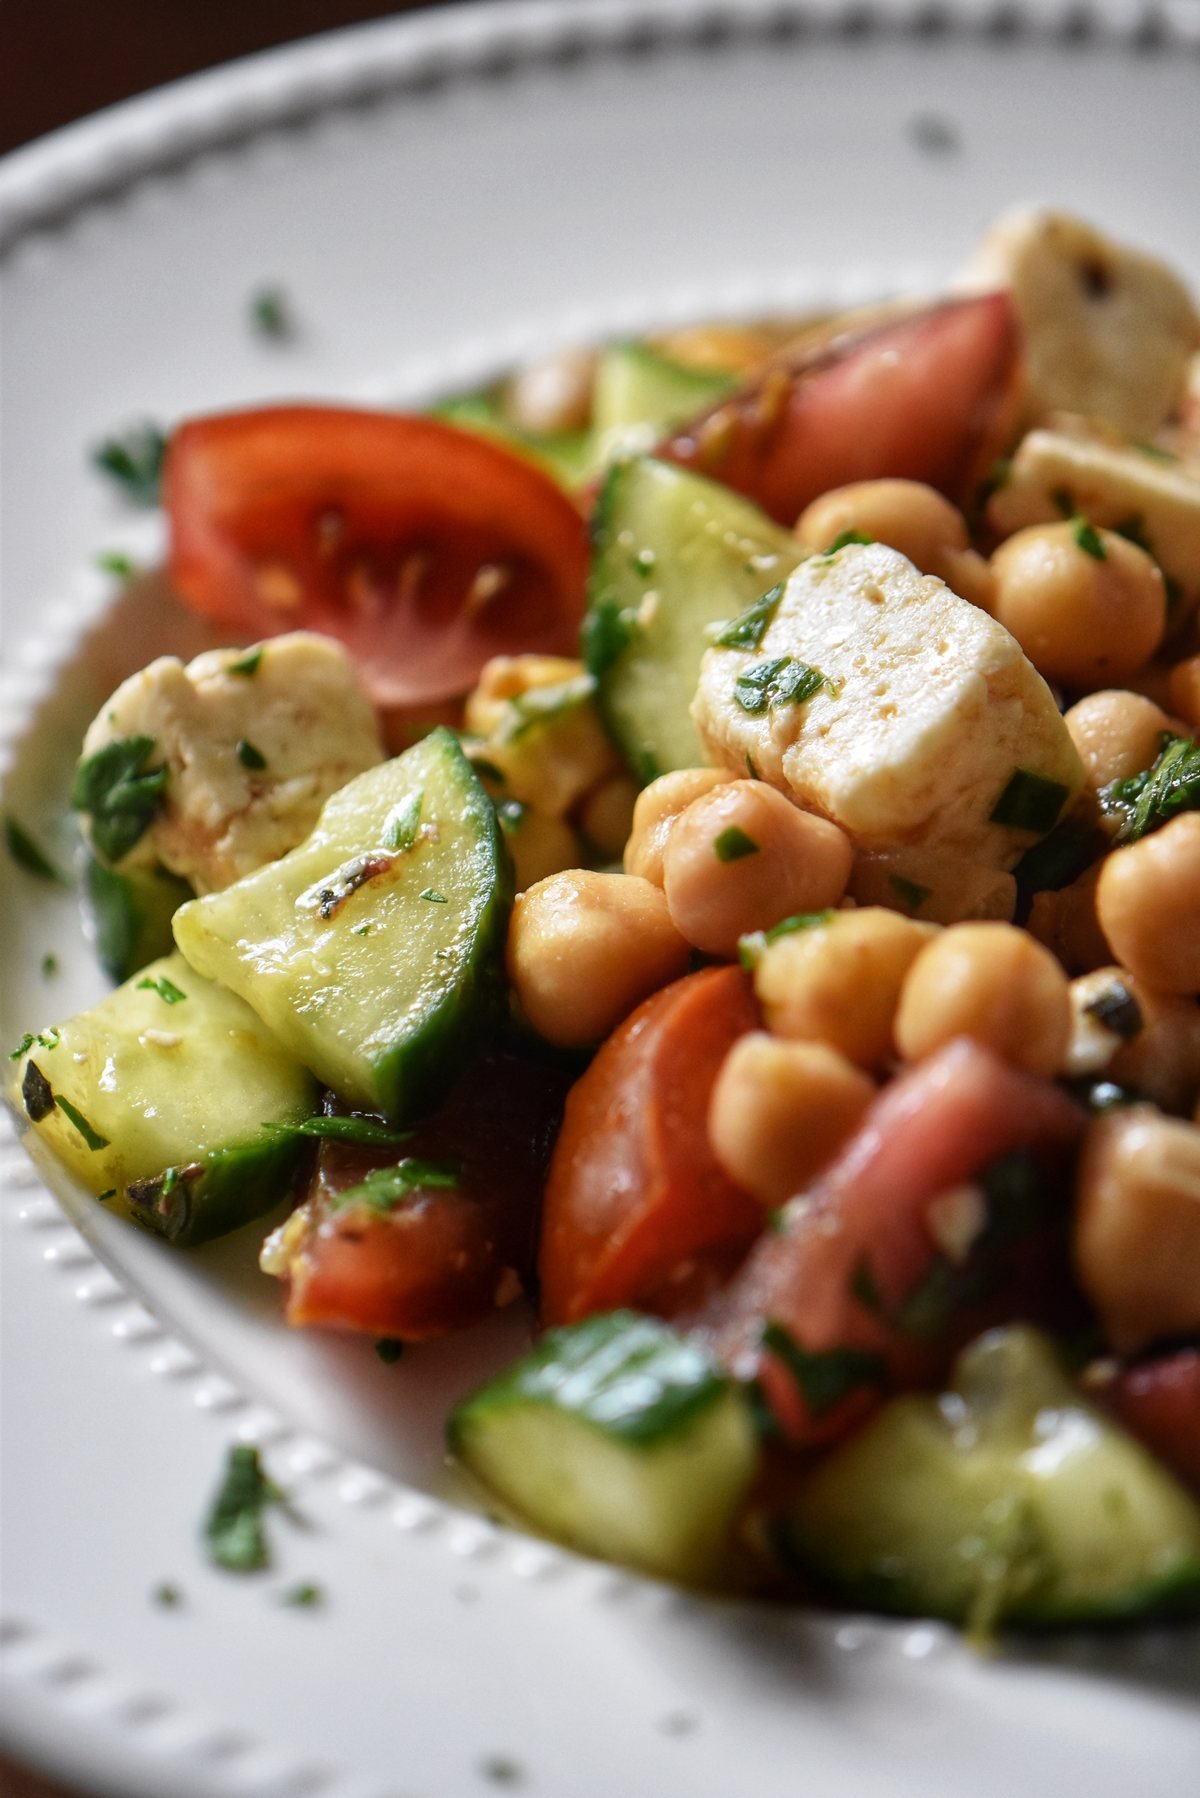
(446, 1256)
(424, 549)
(842, 1272)
(929, 397)
(1159, 1403)
(637, 1210)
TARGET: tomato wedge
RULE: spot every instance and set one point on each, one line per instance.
(637, 1210)
(443, 1256)
(857, 1293)
(423, 548)
(1159, 1403)
(929, 397)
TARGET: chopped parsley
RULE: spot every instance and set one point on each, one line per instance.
(781, 681)
(607, 633)
(48, 1039)
(732, 844)
(1117, 1009)
(844, 539)
(1088, 538)
(168, 1596)
(134, 462)
(748, 629)
(89, 1133)
(1059, 858)
(403, 822)
(233, 1528)
(110, 1192)
(115, 562)
(27, 855)
(646, 765)
(365, 1133)
(363, 929)
(386, 1187)
(271, 313)
(1030, 802)
(248, 665)
(168, 992)
(120, 794)
(824, 1376)
(542, 705)
(389, 1349)
(433, 897)
(250, 757)
(49, 966)
(751, 946)
(303, 1597)
(912, 892)
(1159, 793)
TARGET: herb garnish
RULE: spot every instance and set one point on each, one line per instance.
(751, 946)
(248, 665)
(912, 892)
(403, 821)
(541, 705)
(748, 629)
(303, 1596)
(166, 989)
(732, 844)
(1059, 858)
(824, 1376)
(844, 539)
(1159, 793)
(366, 1133)
(1117, 1009)
(121, 795)
(89, 1133)
(233, 1529)
(389, 1349)
(134, 462)
(1088, 538)
(433, 897)
(167, 1596)
(386, 1187)
(27, 855)
(607, 633)
(781, 681)
(49, 966)
(271, 313)
(1030, 802)
(250, 757)
(116, 562)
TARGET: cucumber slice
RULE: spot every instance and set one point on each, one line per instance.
(639, 395)
(674, 554)
(172, 1099)
(130, 914)
(1007, 1498)
(370, 949)
(569, 457)
(618, 1437)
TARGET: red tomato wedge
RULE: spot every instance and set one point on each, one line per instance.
(929, 397)
(637, 1211)
(442, 1257)
(1159, 1403)
(855, 1293)
(423, 548)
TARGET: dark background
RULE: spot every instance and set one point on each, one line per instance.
(61, 59)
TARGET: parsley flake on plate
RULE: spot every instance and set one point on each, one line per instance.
(233, 1528)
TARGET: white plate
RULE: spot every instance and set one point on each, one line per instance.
(437, 195)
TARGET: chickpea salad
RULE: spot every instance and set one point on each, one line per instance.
(702, 840)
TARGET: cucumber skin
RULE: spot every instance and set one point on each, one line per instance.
(235, 1186)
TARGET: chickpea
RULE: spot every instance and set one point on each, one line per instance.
(1143, 1040)
(742, 857)
(1148, 903)
(929, 884)
(993, 983)
(1184, 689)
(553, 394)
(584, 949)
(656, 811)
(606, 815)
(780, 1111)
(1081, 619)
(549, 757)
(1116, 733)
(839, 982)
(1066, 923)
(907, 516)
(1137, 1225)
(540, 845)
